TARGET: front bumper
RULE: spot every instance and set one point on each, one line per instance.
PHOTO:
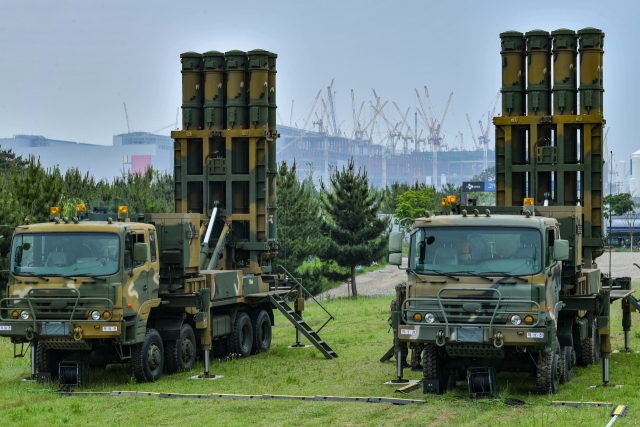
(27, 330)
(521, 336)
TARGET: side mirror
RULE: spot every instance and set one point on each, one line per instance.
(395, 259)
(140, 252)
(395, 242)
(561, 250)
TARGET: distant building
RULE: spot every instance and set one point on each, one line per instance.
(129, 152)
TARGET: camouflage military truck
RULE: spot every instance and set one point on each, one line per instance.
(515, 287)
(154, 289)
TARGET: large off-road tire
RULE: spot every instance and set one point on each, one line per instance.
(180, 354)
(416, 358)
(567, 355)
(433, 365)
(590, 348)
(220, 348)
(261, 324)
(240, 340)
(549, 371)
(147, 357)
(48, 360)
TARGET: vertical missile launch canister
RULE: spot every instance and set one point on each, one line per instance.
(565, 89)
(191, 90)
(272, 91)
(273, 167)
(513, 73)
(539, 73)
(258, 89)
(591, 55)
(236, 68)
(214, 90)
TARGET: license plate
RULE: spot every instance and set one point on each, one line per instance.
(408, 332)
(109, 329)
(471, 334)
(535, 334)
(5, 328)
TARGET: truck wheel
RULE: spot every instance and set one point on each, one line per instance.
(567, 355)
(549, 371)
(180, 354)
(241, 337)
(591, 347)
(49, 360)
(416, 358)
(433, 366)
(147, 357)
(261, 324)
(220, 348)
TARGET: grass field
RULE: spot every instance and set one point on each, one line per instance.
(359, 336)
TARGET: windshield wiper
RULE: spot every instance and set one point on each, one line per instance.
(93, 276)
(476, 274)
(62, 275)
(513, 276)
(28, 273)
(438, 272)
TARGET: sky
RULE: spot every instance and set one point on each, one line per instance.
(68, 66)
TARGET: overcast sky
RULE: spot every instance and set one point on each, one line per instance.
(67, 66)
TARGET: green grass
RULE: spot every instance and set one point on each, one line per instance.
(359, 335)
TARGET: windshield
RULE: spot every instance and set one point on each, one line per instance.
(65, 254)
(485, 250)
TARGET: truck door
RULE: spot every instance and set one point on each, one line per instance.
(154, 277)
(136, 291)
(553, 269)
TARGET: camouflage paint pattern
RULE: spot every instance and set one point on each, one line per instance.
(565, 69)
(591, 56)
(192, 89)
(214, 90)
(236, 67)
(513, 73)
(538, 73)
(258, 89)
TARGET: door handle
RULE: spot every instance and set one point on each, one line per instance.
(144, 288)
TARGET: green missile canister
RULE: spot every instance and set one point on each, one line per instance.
(236, 67)
(271, 147)
(258, 89)
(192, 89)
(565, 88)
(513, 73)
(591, 89)
(272, 91)
(538, 73)
(214, 90)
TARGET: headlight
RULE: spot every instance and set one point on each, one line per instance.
(516, 320)
(528, 320)
(24, 314)
(95, 315)
(429, 317)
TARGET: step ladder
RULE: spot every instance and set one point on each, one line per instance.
(302, 326)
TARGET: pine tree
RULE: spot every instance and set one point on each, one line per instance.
(298, 221)
(37, 189)
(352, 224)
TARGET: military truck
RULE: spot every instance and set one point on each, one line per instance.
(154, 289)
(515, 287)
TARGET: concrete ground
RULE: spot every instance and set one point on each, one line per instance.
(383, 282)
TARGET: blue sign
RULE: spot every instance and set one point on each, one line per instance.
(473, 186)
(489, 186)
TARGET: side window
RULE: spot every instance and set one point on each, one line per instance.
(551, 237)
(152, 246)
(128, 249)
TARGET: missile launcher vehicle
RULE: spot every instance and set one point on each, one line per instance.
(154, 289)
(516, 287)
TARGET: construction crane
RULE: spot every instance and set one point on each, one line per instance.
(167, 126)
(126, 114)
(304, 129)
(279, 116)
(473, 135)
(332, 109)
(291, 117)
(461, 141)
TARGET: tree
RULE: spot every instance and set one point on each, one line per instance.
(412, 204)
(298, 222)
(618, 204)
(629, 219)
(352, 224)
(37, 189)
(8, 159)
(485, 198)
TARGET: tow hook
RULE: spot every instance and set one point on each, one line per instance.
(29, 333)
(440, 339)
(77, 333)
(498, 339)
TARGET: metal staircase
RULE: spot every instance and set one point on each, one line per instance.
(302, 326)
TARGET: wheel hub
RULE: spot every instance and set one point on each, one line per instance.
(155, 357)
(187, 349)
